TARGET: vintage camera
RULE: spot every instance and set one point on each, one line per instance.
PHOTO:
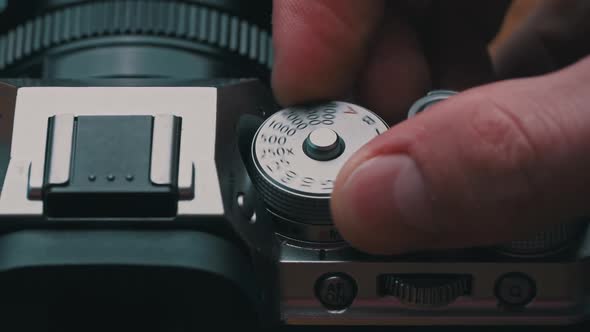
(149, 180)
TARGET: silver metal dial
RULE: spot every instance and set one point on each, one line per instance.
(430, 99)
(298, 152)
(546, 242)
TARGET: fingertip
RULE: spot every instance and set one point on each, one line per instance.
(367, 211)
(290, 87)
(320, 46)
(397, 73)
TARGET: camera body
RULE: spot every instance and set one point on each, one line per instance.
(141, 190)
(147, 196)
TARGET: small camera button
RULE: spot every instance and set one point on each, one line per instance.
(336, 291)
(515, 290)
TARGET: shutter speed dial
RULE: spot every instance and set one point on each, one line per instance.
(297, 154)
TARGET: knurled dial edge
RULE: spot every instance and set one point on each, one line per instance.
(299, 151)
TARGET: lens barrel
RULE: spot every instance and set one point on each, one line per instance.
(73, 39)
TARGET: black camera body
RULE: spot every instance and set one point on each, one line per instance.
(140, 192)
(132, 203)
(145, 194)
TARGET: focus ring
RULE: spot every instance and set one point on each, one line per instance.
(189, 22)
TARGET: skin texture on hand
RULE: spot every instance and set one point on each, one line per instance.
(330, 49)
(497, 162)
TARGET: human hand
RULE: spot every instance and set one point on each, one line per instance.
(494, 163)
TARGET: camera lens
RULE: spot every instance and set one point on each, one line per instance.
(135, 39)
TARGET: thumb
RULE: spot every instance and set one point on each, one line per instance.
(484, 167)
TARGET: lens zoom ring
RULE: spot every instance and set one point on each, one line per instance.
(190, 22)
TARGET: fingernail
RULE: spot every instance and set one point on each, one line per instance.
(387, 190)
